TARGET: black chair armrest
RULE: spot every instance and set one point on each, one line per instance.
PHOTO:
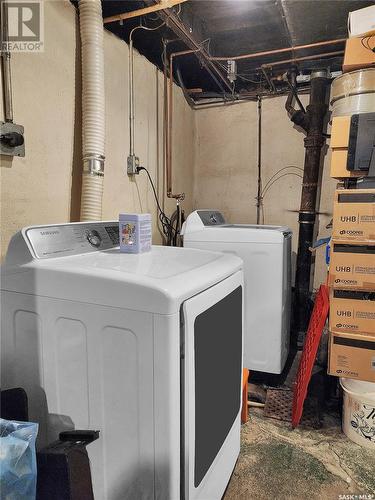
(14, 404)
(64, 467)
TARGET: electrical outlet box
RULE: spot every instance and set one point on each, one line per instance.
(11, 133)
(133, 165)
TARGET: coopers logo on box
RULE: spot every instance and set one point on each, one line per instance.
(347, 372)
(22, 27)
(345, 282)
(343, 325)
(351, 232)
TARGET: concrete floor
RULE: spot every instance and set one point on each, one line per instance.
(279, 463)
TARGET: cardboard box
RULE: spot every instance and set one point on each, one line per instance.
(358, 55)
(339, 143)
(352, 356)
(340, 130)
(361, 21)
(354, 214)
(352, 265)
(339, 160)
(352, 311)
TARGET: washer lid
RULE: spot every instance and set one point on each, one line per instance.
(240, 233)
(209, 225)
(157, 281)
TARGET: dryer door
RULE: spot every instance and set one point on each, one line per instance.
(211, 371)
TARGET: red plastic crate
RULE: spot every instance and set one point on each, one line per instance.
(310, 348)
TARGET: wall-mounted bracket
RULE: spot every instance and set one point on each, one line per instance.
(12, 141)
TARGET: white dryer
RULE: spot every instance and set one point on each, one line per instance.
(266, 252)
(139, 347)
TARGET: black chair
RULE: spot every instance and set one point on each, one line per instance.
(63, 467)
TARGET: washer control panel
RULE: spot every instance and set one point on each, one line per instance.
(72, 239)
(211, 217)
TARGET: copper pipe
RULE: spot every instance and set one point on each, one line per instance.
(169, 125)
(165, 119)
(165, 114)
(168, 95)
(277, 51)
(305, 58)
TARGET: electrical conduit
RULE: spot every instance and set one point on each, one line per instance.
(93, 113)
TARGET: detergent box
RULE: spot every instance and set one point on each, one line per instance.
(135, 233)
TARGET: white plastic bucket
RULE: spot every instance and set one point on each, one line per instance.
(358, 419)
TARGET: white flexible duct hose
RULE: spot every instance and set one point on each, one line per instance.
(93, 112)
(91, 198)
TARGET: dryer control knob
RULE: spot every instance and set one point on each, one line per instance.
(93, 237)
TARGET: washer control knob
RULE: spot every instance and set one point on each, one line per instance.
(93, 237)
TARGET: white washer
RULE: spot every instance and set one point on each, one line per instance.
(266, 252)
(140, 347)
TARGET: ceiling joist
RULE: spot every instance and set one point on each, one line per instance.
(163, 4)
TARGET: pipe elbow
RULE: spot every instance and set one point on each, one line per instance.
(301, 119)
(288, 104)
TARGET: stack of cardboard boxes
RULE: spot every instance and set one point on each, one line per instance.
(352, 255)
(352, 285)
(359, 52)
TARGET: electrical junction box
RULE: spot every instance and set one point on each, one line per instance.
(352, 356)
(352, 311)
(352, 265)
(354, 214)
(11, 139)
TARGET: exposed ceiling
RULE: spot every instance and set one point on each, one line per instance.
(227, 28)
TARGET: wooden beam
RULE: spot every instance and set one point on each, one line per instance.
(163, 4)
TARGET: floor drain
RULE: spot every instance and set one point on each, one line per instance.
(279, 403)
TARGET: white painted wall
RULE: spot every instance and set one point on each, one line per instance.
(44, 187)
(226, 167)
(218, 146)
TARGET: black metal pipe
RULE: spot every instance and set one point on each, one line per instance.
(299, 117)
(314, 141)
(296, 97)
